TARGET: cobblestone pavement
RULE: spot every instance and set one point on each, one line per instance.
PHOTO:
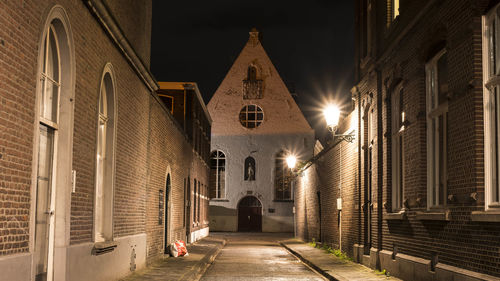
(257, 256)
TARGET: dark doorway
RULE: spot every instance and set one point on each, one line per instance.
(250, 215)
(167, 212)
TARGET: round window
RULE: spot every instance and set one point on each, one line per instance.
(251, 116)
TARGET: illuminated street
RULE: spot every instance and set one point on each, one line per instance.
(257, 256)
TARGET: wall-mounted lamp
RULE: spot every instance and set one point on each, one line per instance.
(332, 116)
(291, 160)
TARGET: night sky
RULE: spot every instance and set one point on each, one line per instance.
(311, 44)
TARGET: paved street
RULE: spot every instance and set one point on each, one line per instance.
(257, 256)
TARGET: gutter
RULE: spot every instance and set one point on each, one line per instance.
(100, 11)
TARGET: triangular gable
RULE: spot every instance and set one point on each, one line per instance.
(264, 88)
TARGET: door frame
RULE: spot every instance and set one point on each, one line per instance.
(167, 230)
(238, 211)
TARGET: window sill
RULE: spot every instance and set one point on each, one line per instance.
(101, 248)
(282, 200)
(395, 216)
(433, 216)
(219, 200)
(486, 216)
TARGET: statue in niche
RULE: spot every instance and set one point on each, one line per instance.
(249, 169)
(252, 87)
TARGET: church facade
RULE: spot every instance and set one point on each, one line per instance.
(256, 125)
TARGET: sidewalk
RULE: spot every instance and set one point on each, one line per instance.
(330, 266)
(201, 254)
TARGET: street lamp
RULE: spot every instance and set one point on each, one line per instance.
(291, 160)
(332, 116)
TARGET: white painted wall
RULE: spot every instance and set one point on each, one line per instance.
(114, 265)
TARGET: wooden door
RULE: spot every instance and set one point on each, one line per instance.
(250, 215)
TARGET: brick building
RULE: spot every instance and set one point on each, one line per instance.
(256, 124)
(421, 199)
(184, 101)
(96, 173)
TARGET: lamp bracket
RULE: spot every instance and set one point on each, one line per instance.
(345, 137)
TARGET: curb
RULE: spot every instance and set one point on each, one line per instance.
(201, 267)
(312, 265)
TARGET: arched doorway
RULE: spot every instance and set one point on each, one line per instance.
(250, 214)
(167, 213)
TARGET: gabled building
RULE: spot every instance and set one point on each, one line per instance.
(256, 124)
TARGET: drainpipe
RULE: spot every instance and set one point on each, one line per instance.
(340, 197)
(318, 193)
(294, 209)
(108, 23)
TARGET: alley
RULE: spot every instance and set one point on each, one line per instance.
(257, 256)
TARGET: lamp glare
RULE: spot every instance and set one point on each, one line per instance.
(291, 161)
(332, 115)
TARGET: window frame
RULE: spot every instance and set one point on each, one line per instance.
(256, 122)
(105, 143)
(218, 188)
(280, 161)
(491, 106)
(395, 4)
(434, 111)
(397, 149)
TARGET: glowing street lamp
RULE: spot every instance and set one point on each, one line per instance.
(332, 116)
(291, 160)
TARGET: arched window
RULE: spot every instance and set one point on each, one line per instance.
(49, 111)
(249, 173)
(252, 73)
(217, 174)
(282, 178)
(105, 159)
(55, 95)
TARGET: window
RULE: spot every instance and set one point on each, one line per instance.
(395, 8)
(252, 73)
(218, 175)
(168, 100)
(252, 87)
(53, 134)
(105, 160)
(195, 205)
(437, 134)
(184, 215)
(47, 136)
(397, 128)
(199, 201)
(491, 73)
(369, 154)
(251, 116)
(282, 178)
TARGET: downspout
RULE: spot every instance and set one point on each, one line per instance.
(340, 196)
(318, 193)
(106, 20)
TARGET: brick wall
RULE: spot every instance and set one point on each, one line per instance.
(18, 52)
(148, 140)
(169, 152)
(334, 175)
(401, 50)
